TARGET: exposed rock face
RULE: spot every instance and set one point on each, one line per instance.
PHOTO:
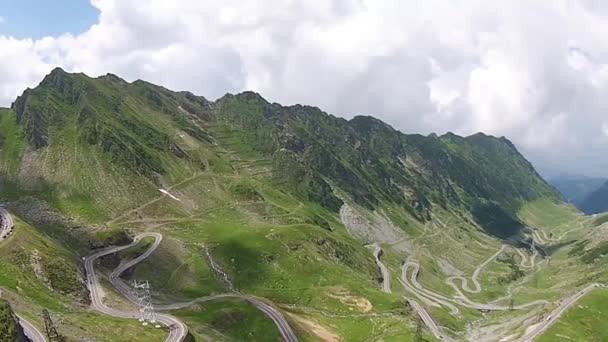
(377, 228)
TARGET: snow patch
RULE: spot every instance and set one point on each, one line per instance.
(169, 194)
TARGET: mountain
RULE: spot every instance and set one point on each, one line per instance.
(376, 164)
(279, 202)
(576, 188)
(596, 201)
(139, 127)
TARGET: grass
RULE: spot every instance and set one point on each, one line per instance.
(270, 223)
(177, 271)
(12, 142)
(287, 261)
(360, 329)
(289, 264)
(57, 288)
(549, 215)
(601, 219)
(233, 320)
(584, 322)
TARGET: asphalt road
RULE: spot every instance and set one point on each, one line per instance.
(525, 263)
(31, 331)
(461, 299)
(436, 299)
(464, 281)
(178, 330)
(386, 276)
(428, 321)
(430, 297)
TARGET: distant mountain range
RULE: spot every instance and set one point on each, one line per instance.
(589, 194)
(597, 201)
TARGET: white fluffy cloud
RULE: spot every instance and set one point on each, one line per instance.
(534, 71)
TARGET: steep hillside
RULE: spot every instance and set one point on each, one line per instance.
(71, 124)
(285, 203)
(373, 163)
(597, 201)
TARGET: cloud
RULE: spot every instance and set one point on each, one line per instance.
(534, 71)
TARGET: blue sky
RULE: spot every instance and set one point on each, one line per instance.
(40, 18)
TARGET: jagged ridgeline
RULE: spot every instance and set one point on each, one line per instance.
(145, 132)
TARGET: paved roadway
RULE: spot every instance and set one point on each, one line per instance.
(464, 281)
(430, 297)
(278, 318)
(386, 276)
(31, 331)
(462, 300)
(428, 321)
(529, 336)
(177, 329)
(437, 299)
(525, 263)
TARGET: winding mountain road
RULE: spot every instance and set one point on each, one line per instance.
(412, 285)
(178, 330)
(464, 281)
(428, 321)
(386, 275)
(461, 299)
(525, 262)
(31, 331)
(436, 299)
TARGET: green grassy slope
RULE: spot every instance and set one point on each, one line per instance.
(584, 322)
(259, 186)
(37, 273)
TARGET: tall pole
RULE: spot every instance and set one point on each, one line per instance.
(142, 293)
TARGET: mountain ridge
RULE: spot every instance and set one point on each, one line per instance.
(363, 148)
(597, 201)
(285, 199)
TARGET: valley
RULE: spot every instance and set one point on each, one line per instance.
(252, 221)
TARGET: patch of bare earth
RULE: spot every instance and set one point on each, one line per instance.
(322, 332)
(359, 303)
